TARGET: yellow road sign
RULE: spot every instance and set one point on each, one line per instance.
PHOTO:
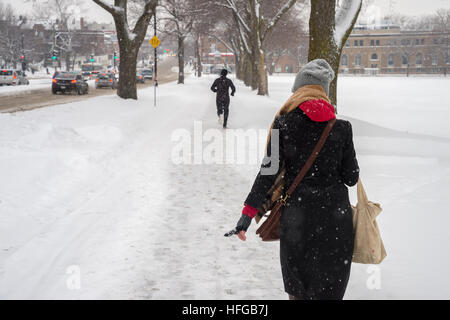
(155, 42)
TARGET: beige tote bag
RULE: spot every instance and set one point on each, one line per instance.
(369, 248)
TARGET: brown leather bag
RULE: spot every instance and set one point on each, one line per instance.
(270, 229)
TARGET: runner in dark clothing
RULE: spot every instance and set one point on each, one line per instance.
(222, 86)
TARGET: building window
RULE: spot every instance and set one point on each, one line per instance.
(391, 59)
(435, 41)
(447, 57)
(434, 60)
(419, 58)
(404, 60)
(422, 41)
(361, 43)
(417, 42)
(358, 60)
(344, 60)
(356, 43)
(347, 43)
(374, 56)
(403, 42)
(372, 42)
(377, 42)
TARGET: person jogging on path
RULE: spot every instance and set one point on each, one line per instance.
(221, 86)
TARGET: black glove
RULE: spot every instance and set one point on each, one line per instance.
(232, 94)
(242, 225)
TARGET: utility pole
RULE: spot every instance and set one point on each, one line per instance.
(155, 64)
(24, 64)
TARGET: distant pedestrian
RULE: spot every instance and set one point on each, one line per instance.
(316, 228)
(222, 87)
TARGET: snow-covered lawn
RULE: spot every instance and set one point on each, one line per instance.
(90, 189)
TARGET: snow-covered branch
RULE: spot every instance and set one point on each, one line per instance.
(233, 7)
(288, 5)
(109, 7)
(346, 14)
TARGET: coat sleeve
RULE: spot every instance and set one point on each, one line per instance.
(265, 181)
(350, 168)
(214, 86)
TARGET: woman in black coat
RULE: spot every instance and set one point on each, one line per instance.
(316, 230)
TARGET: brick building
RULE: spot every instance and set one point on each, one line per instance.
(215, 55)
(387, 49)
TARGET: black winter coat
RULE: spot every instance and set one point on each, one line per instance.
(316, 236)
(222, 87)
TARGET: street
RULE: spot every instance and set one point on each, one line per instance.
(37, 98)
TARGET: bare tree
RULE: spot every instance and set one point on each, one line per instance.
(11, 41)
(179, 21)
(287, 39)
(330, 24)
(408, 51)
(129, 40)
(441, 23)
(59, 14)
(203, 26)
(254, 28)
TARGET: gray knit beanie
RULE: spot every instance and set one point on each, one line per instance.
(314, 72)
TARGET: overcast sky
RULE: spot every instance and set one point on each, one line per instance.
(409, 7)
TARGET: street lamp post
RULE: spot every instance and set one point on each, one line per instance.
(155, 65)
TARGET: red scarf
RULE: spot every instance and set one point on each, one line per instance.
(318, 110)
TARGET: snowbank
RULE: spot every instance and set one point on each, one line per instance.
(92, 205)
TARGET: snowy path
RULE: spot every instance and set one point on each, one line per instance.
(92, 184)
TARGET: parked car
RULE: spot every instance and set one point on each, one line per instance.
(106, 80)
(13, 77)
(139, 78)
(70, 82)
(147, 73)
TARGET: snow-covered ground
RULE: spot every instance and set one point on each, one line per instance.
(92, 204)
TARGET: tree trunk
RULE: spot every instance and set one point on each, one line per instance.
(127, 71)
(199, 58)
(129, 43)
(263, 87)
(321, 38)
(247, 70)
(322, 44)
(180, 60)
(68, 61)
(255, 73)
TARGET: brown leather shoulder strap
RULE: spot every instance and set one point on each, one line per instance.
(311, 158)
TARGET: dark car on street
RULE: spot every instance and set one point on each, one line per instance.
(70, 82)
(106, 80)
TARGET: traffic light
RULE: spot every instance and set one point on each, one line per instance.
(54, 55)
(92, 58)
(115, 59)
(22, 57)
